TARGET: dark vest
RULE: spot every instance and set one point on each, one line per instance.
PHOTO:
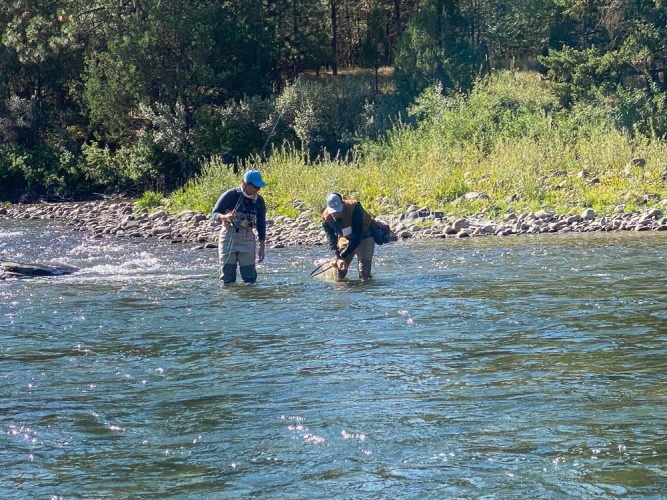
(345, 224)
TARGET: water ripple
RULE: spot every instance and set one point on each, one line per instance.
(519, 367)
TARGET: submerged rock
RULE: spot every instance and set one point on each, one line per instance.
(17, 270)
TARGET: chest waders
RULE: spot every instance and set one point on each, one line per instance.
(237, 245)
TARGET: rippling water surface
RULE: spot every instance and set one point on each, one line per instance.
(532, 367)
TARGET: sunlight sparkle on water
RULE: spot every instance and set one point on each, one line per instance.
(492, 370)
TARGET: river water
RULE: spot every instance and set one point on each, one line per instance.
(528, 367)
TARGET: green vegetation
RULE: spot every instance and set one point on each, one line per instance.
(509, 140)
(149, 200)
(394, 101)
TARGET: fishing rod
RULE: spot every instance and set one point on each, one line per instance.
(238, 203)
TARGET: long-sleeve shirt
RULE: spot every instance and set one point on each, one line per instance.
(353, 239)
(246, 207)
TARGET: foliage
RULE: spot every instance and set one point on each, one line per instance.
(580, 73)
(233, 131)
(202, 191)
(510, 139)
(127, 170)
(453, 42)
(149, 200)
(19, 123)
(53, 174)
(124, 96)
(323, 117)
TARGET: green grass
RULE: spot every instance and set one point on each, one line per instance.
(508, 139)
(202, 192)
(149, 200)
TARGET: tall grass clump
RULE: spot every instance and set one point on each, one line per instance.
(201, 192)
(509, 140)
(149, 200)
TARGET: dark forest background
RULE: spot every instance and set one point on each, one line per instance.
(110, 97)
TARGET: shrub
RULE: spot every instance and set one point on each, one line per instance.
(149, 200)
(234, 131)
(129, 169)
(428, 57)
(324, 118)
(19, 123)
(53, 173)
(577, 73)
(13, 161)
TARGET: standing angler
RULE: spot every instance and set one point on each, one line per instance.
(348, 229)
(241, 211)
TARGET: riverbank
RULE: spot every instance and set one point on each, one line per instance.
(123, 219)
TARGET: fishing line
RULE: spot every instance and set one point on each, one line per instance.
(261, 153)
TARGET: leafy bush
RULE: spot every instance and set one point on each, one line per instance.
(51, 173)
(170, 133)
(234, 131)
(132, 168)
(505, 106)
(578, 73)
(13, 161)
(149, 200)
(509, 139)
(18, 121)
(635, 111)
(169, 127)
(428, 57)
(323, 117)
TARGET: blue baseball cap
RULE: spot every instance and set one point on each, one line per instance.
(254, 177)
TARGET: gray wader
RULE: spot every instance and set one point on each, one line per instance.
(364, 253)
(237, 246)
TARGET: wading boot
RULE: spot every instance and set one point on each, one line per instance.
(228, 274)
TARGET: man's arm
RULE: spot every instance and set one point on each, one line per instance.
(357, 231)
(225, 203)
(332, 238)
(261, 219)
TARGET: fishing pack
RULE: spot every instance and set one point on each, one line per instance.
(382, 233)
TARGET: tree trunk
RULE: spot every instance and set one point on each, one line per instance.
(295, 37)
(334, 38)
(395, 32)
(439, 24)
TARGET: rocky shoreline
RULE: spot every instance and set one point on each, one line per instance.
(122, 219)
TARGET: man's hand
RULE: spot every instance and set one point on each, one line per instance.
(228, 217)
(260, 251)
(340, 264)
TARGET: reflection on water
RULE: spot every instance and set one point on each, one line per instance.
(530, 367)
